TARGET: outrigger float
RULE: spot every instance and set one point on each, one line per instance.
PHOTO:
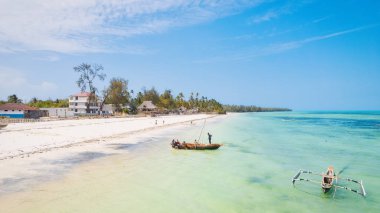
(329, 181)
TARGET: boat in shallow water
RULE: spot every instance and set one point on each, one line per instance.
(330, 180)
(195, 146)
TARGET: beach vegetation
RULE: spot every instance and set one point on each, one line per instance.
(117, 93)
(151, 95)
(14, 99)
(167, 101)
(58, 103)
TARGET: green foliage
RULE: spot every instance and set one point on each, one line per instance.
(58, 103)
(151, 95)
(117, 93)
(88, 73)
(180, 101)
(242, 108)
(133, 106)
(14, 99)
(167, 101)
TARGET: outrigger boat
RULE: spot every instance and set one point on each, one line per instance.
(194, 146)
(330, 180)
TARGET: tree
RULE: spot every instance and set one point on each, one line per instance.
(151, 95)
(14, 99)
(139, 98)
(179, 100)
(118, 93)
(58, 103)
(191, 100)
(167, 100)
(88, 73)
(104, 98)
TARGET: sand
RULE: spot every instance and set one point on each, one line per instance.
(31, 152)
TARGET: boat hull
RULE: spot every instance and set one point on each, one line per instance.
(3, 125)
(192, 146)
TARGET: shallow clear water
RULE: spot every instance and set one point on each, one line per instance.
(251, 173)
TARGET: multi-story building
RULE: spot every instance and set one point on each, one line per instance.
(78, 104)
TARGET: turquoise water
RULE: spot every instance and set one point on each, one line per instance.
(251, 173)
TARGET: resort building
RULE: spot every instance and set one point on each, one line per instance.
(16, 110)
(147, 106)
(78, 104)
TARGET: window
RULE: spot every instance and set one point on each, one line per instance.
(76, 97)
(76, 104)
(76, 110)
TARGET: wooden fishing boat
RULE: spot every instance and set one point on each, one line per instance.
(3, 125)
(327, 179)
(330, 180)
(195, 146)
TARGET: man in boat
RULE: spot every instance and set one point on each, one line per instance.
(209, 137)
(327, 179)
(175, 143)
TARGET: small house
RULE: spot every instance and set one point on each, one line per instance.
(16, 110)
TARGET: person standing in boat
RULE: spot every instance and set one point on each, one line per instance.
(209, 137)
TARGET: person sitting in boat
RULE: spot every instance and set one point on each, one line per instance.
(175, 143)
(328, 178)
(195, 141)
(209, 137)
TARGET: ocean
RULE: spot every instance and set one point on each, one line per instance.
(251, 172)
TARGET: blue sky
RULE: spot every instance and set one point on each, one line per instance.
(299, 54)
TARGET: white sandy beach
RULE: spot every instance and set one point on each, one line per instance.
(22, 139)
(24, 147)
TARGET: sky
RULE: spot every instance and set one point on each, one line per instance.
(304, 55)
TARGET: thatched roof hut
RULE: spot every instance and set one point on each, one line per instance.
(147, 106)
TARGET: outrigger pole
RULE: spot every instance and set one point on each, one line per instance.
(360, 183)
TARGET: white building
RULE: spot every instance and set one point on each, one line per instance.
(78, 104)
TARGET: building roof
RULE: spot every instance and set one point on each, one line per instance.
(182, 108)
(147, 105)
(14, 106)
(82, 94)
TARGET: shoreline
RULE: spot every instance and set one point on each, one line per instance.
(21, 169)
(14, 133)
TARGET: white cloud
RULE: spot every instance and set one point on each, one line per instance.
(266, 17)
(15, 82)
(278, 48)
(72, 26)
